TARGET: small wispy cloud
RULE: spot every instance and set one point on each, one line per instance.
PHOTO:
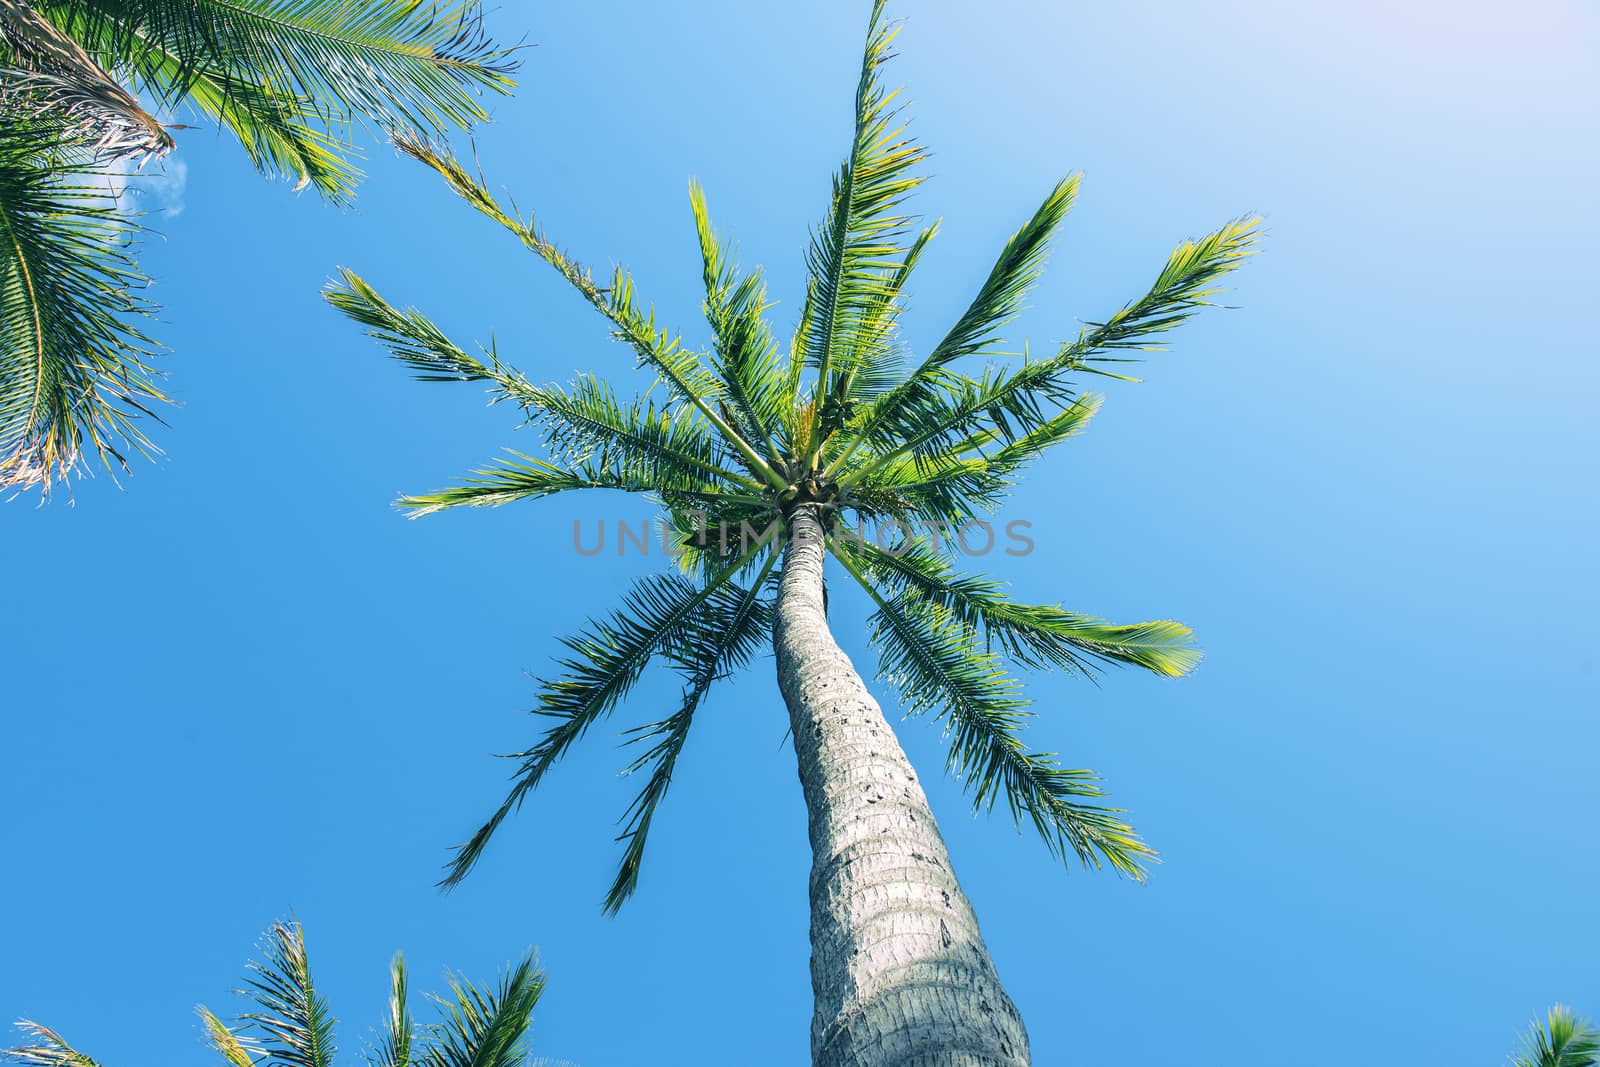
(158, 190)
(153, 191)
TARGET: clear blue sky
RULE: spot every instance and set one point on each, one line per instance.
(246, 685)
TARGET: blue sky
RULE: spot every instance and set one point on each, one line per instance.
(244, 685)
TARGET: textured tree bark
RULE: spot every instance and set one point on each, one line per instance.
(899, 971)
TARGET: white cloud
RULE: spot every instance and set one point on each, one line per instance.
(157, 191)
(154, 191)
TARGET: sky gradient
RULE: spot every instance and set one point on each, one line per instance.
(243, 686)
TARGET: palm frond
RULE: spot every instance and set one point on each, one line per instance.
(670, 448)
(292, 1015)
(1036, 635)
(399, 1032)
(1007, 404)
(73, 376)
(874, 360)
(722, 637)
(795, 366)
(963, 479)
(485, 1027)
(1016, 270)
(1000, 405)
(520, 478)
(746, 356)
(413, 339)
(938, 666)
(227, 1043)
(394, 63)
(285, 136)
(1564, 1040)
(857, 252)
(657, 349)
(587, 425)
(1186, 284)
(603, 662)
(44, 1048)
(47, 76)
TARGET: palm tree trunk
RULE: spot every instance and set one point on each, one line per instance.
(899, 971)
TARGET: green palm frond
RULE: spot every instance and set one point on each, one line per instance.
(285, 136)
(413, 339)
(998, 301)
(721, 638)
(587, 426)
(602, 664)
(480, 1026)
(45, 1048)
(747, 357)
(227, 1042)
(1564, 1040)
(484, 1027)
(399, 1032)
(1008, 404)
(857, 252)
(73, 371)
(1186, 284)
(291, 1014)
(1002, 404)
(875, 357)
(395, 63)
(963, 480)
(936, 663)
(670, 448)
(656, 348)
(1035, 635)
(49, 77)
(290, 78)
(525, 478)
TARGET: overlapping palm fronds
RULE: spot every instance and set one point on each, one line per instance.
(290, 1025)
(81, 85)
(845, 420)
(1562, 1040)
(74, 370)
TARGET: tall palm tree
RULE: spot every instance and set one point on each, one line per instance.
(291, 1025)
(1564, 1040)
(766, 460)
(291, 79)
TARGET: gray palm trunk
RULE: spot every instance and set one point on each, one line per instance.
(899, 971)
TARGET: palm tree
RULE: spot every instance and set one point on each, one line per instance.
(765, 460)
(291, 1026)
(289, 78)
(1564, 1041)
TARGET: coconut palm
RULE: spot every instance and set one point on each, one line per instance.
(290, 1024)
(766, 459)
(81, 85)
(1564, 1040)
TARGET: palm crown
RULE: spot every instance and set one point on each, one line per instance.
(844, 419)
(1563, 1040)
(290, 1023)
(291, 79)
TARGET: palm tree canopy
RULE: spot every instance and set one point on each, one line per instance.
(847, 420)
(1564, 1040)
(290, 1024)
(291, 79)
